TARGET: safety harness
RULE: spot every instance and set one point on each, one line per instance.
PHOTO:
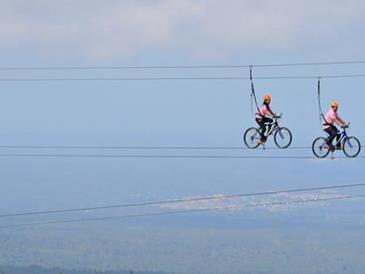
(253, 94)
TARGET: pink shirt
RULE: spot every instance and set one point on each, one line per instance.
(330, 117)
(263, 111)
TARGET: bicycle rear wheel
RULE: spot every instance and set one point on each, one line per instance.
(351, 147)
(282, 137)
(251, 137)
(319, 147)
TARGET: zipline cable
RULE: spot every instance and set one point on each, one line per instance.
(162, 213)
(176, 201)
(101, 147)
(146, 156)
(203, 78)
(140, 147)
(20, 68)
(160, 156)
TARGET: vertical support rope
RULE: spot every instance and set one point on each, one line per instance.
(253, 94)
(319, 101)
(321, 115)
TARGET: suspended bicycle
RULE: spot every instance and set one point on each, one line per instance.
(350, 145)
(282, 135)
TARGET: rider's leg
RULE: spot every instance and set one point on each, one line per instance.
(338, 136)
(261, 123)
(268, 120)
(332, 134)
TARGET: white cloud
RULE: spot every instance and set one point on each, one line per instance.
(114, 29)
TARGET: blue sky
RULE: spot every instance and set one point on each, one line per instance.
(204, 31)
(191, 113)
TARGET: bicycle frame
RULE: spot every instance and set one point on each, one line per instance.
(343, 137)
(281, 135)
(274, 125)
(350, 145)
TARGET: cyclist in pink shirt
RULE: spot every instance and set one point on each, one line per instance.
(264, 116)
(330, 119)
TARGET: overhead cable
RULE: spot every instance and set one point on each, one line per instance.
(175, 201)
(25, 68)
(139, 147)
(202, 78)
(160, 156)
(162, 213)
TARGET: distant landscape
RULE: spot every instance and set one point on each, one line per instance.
(238, 242)
(40, 270)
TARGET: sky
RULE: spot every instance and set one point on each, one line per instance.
(40, 33)
(194, 31)
(167, 113)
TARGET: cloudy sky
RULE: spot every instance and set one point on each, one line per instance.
(181, 113)
(105, 31)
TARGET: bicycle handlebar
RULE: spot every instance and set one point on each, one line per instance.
(278, 116)
(346, 126)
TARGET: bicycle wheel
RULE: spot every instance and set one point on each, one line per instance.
(282, 137)
(351, 147)
(251, 137)
(319, 147)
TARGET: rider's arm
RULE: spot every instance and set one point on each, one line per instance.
(270, 111)
(340, 121)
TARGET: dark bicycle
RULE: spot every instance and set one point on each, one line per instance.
(282, 135)
(349, 144)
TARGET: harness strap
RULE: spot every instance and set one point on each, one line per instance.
(253, 94)
(321, 115)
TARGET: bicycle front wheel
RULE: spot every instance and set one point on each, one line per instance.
(351, 147)
(282, 137)
(251, 137)
(319, 147)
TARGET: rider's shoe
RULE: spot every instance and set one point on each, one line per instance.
(339, 147)
(261, 142)
(330, 147)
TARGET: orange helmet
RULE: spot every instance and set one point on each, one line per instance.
(334, 104)
(267, 98)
